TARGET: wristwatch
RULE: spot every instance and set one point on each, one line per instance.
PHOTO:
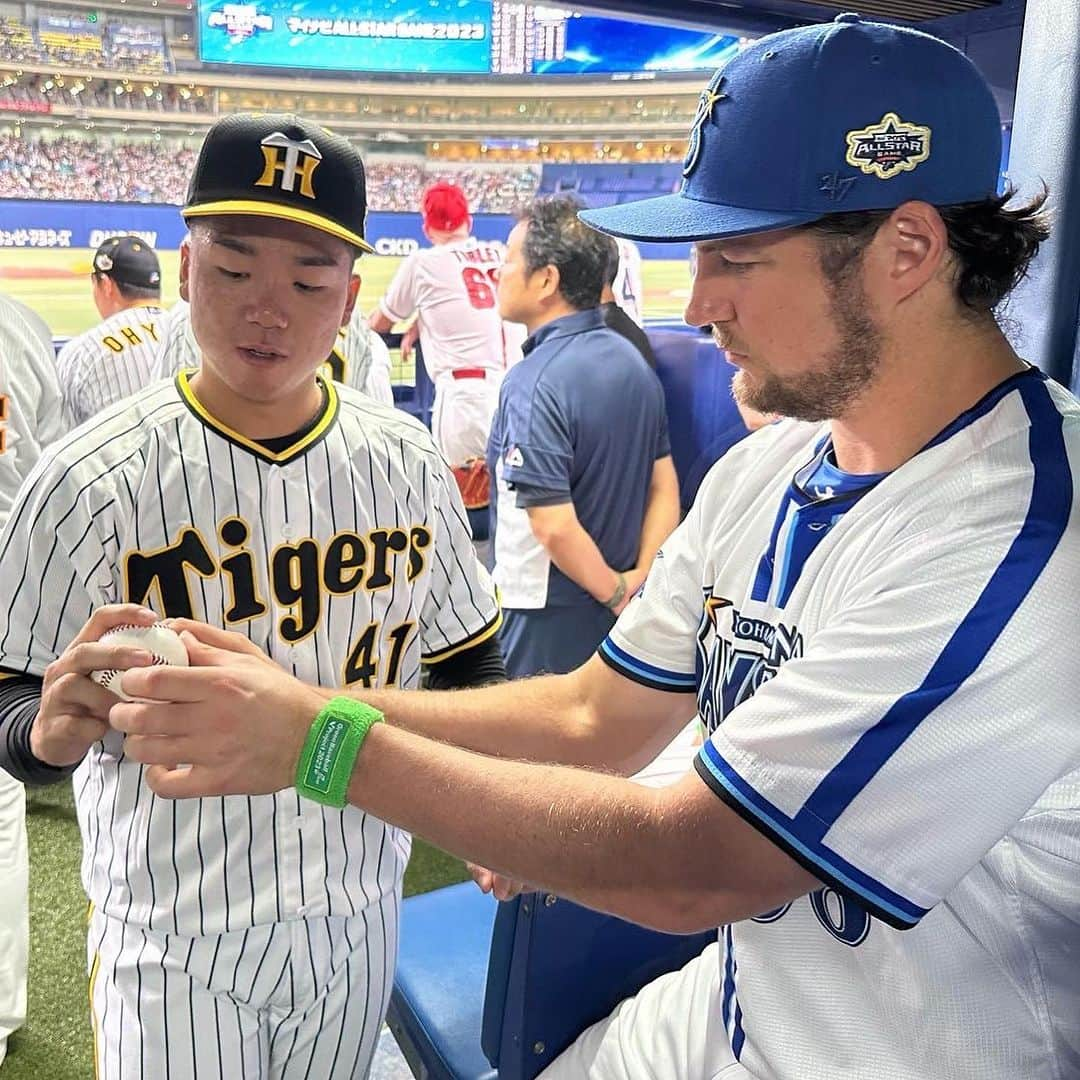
(617, 596)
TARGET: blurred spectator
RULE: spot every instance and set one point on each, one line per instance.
(94, 170)
(100, 169)
(113, 43)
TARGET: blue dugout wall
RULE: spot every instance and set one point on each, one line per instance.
(34, 223)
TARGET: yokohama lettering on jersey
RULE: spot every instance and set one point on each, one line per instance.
(346, 557)
(890, 686)
(111, 362)
(452, 286)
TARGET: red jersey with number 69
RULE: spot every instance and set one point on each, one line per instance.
(452, 286)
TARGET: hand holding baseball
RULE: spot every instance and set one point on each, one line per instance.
(233, 715)
(163, 645)
(74, 709)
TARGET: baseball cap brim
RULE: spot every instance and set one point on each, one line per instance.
(673, 219)
(277, 210)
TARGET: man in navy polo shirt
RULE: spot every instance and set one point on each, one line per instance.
(584, 490)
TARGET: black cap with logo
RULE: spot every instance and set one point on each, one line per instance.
(280, 165)
(128, 260)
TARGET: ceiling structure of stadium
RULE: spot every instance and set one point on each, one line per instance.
(775, 14)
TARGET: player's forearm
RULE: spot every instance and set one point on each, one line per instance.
(600, 840)
(20, 698)
(575, 553)
(543, 719)
(661, 512)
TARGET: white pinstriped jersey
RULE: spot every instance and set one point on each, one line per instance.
(890, 683)
(346, 557)
(628, 287)
(31, 406)
(111, 362)
(359, 359)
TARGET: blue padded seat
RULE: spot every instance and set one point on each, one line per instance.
(438, 1000)
(552, 969)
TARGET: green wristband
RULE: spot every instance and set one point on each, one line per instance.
(329, 755)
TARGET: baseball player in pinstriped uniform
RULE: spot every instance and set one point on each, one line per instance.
(247, 937)
(116, 358)
(31, 417)
(627, 288)
(359, 357)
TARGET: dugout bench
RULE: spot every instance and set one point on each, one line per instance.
(486, 989)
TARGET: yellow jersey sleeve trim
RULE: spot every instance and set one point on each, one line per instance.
(482, 635)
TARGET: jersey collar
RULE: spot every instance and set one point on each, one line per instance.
(312, 434)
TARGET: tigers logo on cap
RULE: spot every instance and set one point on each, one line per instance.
(290, 166)
(102, 262)
(888, 148)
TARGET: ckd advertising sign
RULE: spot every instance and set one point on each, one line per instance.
(37, 223)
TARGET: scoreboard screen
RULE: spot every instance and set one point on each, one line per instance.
(462, 37)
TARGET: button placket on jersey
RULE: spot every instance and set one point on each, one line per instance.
(285, 527)
(289, 824)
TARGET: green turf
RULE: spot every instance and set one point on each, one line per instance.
(55, 283)
(55, 1044)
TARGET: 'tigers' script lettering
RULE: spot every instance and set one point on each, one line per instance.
(298, 575)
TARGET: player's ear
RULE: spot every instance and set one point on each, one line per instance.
(185, 268)
(548, 282)
(350, 299)
(912, 246)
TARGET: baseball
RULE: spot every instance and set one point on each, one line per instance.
(165, 644)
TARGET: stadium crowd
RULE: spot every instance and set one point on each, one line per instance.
(102, 170)
(97, 171)
(39, 93)
(117, 45)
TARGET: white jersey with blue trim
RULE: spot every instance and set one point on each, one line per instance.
(889, 683)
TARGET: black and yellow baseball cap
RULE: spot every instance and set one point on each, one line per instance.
(128, 260)
(280, 165)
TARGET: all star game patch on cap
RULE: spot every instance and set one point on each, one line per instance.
(280, 165)
(128, 260)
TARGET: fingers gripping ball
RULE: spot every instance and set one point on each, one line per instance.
(164, 644)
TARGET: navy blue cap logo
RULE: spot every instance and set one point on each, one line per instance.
(888, 148)
(706, 103)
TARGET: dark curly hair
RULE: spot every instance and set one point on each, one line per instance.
(992, 246)
(557, 237)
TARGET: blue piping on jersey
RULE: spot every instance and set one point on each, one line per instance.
(834, 867)
(731, 967)
(788, 577)
(639, 669)
(1044, 525)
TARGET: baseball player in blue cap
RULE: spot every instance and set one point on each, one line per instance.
(870, 606)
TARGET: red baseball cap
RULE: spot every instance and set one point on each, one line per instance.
(444, 207)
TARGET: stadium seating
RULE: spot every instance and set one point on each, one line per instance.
(608, 183)
(461, 1010)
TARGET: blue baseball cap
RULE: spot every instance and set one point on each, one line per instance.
(839, 116)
